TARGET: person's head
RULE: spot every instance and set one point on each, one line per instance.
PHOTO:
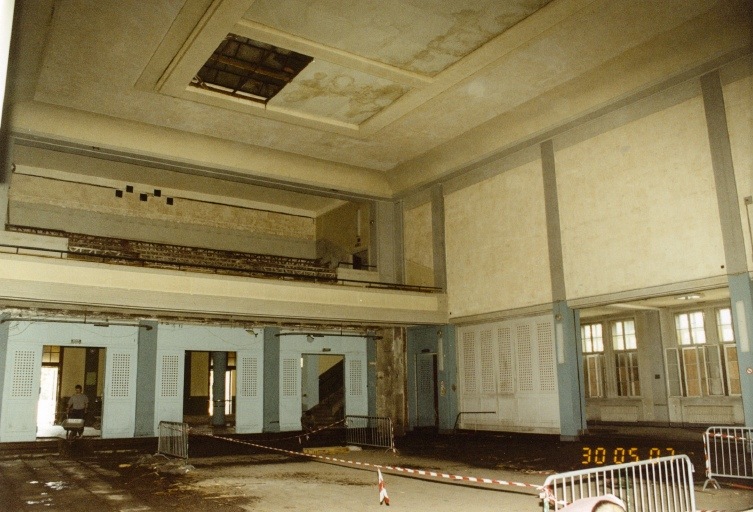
(78, 388)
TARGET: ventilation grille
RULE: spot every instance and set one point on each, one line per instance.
(525, 358)
(546, 357)
(506, 378)
(425, 383)
(290, 377)
(356, 372)
(121, 375)
(469, 363)
(250, 369)
(169, 375)
(23, 374)
(487, 362)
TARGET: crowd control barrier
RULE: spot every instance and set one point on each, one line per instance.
(173, 439)
(728, 452)
(370, 431)
(664, 484)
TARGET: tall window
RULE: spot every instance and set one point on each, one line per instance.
(727, 340)
(626, 358)
(706, 363)
(593, 359)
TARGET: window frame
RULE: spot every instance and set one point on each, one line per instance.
(691, 330)
(624, 342)
(707, 362)
(610, 371)
(594, 369)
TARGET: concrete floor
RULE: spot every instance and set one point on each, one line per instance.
(237, 477)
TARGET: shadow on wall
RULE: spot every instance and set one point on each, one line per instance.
(331, 255)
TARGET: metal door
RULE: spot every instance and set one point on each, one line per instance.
(119, 410)
(249, 408)
(22, 377)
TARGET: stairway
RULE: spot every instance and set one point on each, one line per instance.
(328, 411)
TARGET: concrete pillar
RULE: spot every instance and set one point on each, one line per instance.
(566, 321)
(146, 366)
(389, 241)
(4, 334)
(437, 237)
(572, 398)
(741, 296)
(391, 378)
(732, 232)
(271, 420)
(219, 368)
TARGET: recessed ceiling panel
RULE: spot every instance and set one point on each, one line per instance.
(419, 36)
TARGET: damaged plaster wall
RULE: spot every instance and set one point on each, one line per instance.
(391, 379)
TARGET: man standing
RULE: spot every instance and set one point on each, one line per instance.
(77, 404)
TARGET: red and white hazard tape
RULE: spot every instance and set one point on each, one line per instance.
(727, 436)
(300, 437)
(397, 469)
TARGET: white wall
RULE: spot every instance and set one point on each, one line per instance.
(638, 205)
(508, 376)
(418, 244)
(496, 244)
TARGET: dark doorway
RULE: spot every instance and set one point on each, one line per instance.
(198, 401)
(361, 260)
(322, 389)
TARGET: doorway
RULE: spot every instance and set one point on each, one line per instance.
(48, 398)
(198, 396)
(322, 389)
(63, 368)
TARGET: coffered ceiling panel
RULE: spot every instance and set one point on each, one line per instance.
(331, 91)
(420, 36)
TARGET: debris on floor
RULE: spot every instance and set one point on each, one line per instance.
(164, 465)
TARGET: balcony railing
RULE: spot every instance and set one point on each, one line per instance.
(125, 252)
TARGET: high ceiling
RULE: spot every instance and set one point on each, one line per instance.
(400, 93)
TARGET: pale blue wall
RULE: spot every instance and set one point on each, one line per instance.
(146, 366)
(271, 421)
(427, 338)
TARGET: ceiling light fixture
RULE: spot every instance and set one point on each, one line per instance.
(690, 296)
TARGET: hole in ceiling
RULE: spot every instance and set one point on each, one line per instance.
(249, 69)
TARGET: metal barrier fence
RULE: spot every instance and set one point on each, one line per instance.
(173, 439)
(370, 431)
(728, 452)
(663, 484)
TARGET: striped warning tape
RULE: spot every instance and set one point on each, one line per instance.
(299, 437)
(721, 443)
(396, 469)
(306, 435)
(727, 436)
